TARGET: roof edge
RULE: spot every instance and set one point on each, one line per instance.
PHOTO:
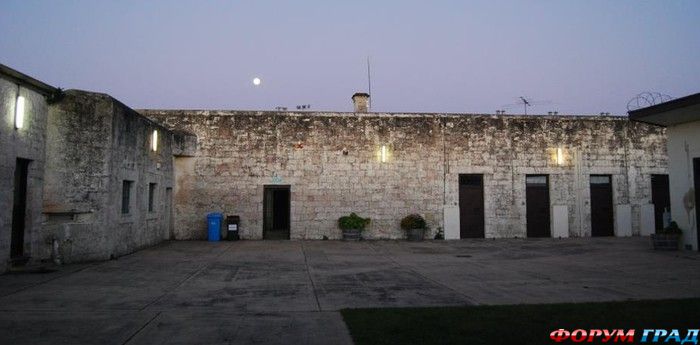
(21, 78)
(639, 114)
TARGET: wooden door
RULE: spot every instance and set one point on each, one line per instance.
(471, 205)
(537, 198)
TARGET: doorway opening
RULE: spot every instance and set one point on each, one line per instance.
(537, 198)
(661, 198)
(19, 208)
(471, 206)
(276, 212)
(696, 180)
(602, 206)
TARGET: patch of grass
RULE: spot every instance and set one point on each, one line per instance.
(514, 324)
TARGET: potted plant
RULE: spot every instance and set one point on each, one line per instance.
(668, 238)
(352, 226)
(415, 226)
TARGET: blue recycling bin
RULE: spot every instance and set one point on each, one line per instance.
(214, 225)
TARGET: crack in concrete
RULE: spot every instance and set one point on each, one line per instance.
(141, 328)
(308, 273)
(54, 278)
(385, 254)
(188, 278)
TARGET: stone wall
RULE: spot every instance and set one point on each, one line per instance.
(26, 143)
(332, 163)
(94, 143)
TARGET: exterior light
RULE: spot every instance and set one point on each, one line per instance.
(154, 140)
(19, 112)
(383, 154)
(560, 156)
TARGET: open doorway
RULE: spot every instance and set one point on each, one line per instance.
(19, 208)
(537, 209)
(276, 212)
(661, 198)
(602, 218)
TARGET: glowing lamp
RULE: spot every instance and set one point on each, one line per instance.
(560, 156)
(19, 112)
(154, 141)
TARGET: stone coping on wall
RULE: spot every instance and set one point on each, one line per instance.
(201, 112)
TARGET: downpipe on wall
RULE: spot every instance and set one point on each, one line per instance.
(55, 253)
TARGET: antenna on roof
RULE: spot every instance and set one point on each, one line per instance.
(369, 83)
(526, 103)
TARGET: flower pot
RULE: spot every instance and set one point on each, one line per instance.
(352, 234)
(415, 234)
(665, 241)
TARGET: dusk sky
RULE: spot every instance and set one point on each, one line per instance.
(575, 57)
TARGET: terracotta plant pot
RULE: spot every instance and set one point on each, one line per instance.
(352, 235)
(415, 234)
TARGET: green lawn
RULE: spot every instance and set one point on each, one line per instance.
(514, 324)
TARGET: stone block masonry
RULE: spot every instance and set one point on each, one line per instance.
(333, 164)
(107, 191)
(25, 143)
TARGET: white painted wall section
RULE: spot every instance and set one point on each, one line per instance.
(560, 221)
(623, 220)
(647, 222)
(451, 221)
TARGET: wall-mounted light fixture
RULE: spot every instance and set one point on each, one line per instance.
(19, 112)
(560, 156)
(154, 140)
(383, 154)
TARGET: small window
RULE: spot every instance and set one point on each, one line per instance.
(470, 179)
(151, 196)
(600, 179)
(536, 180)
(126, 195)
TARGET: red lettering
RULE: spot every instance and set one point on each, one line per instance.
(625, 337)
(594, 333)
(559, 335)
(579, 335)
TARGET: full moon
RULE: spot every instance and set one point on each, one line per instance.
(256, 81)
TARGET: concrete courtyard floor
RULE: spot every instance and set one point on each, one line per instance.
(281, 292)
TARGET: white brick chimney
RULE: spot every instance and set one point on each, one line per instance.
(361, 102)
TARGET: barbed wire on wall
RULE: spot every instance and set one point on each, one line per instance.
(647, 99)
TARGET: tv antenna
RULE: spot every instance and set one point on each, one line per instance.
(369, 83)
(525, 102)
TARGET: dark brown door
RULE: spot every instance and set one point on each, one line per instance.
(537, 196)
(696, 175)
(276, 212)
(661, 198)
(19, 208)
(471, 206)
(601, 206)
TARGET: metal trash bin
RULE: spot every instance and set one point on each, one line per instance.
(232, 227)
(214, 226)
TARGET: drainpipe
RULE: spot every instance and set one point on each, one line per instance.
(55, 256)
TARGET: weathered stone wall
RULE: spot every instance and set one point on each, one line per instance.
(240, 152)
(27, 143)
(94, 143)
